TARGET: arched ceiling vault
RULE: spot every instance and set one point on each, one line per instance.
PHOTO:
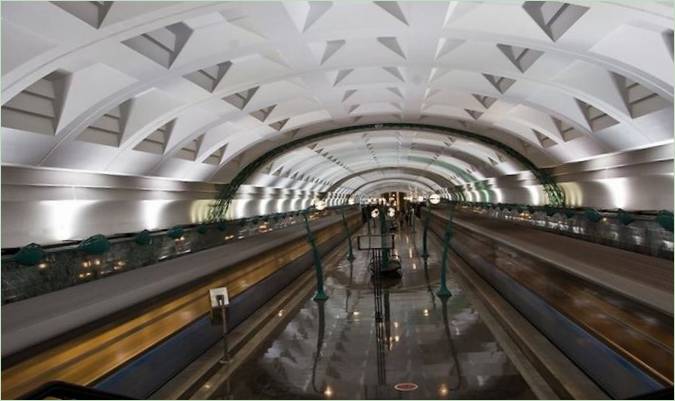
(429, 187)
(364, 176)
(327, 160)
(199, 90)
(378, 187)
(264, 163)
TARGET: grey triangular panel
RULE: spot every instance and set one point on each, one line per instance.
(332, 47)
(394, 9)
(342, 74)
(316, 10)
(521, 57)
(392, 44)
(395, 72)
(502, 84)
(348, 94)
(554, 18)
(486, 101)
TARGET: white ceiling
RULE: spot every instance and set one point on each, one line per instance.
(193, 90)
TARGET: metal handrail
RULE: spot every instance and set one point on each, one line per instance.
(642, 234)
(67, 266)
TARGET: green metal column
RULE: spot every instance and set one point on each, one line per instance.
(350, 256)
(425, 252)
(385, 232)
(443, 290)
(320, 293)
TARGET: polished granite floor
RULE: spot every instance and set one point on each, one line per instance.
(365, 339)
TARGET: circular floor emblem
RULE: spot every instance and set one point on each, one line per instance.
(406, 387)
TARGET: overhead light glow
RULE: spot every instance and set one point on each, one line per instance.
(63, 217)
(152, 212)
(319, 204)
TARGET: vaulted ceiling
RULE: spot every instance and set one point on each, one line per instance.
(196, 90)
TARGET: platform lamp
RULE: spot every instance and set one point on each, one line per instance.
(419, 199)
(434, 199)
(376, 213)
(317, 204)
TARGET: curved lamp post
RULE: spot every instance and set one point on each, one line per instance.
(320, 293)
(350, 255)
(433, 199)
(443, 291)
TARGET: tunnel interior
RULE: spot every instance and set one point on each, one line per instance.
(137, 135)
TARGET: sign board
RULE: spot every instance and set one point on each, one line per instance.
(214, 292)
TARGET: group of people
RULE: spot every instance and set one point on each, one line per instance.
(407, 215)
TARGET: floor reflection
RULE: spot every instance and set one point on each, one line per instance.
(371, 335)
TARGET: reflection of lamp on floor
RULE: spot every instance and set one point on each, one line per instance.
(318, 205)
(426, 277)
(321, 303)
(448, 334)
(381, 322)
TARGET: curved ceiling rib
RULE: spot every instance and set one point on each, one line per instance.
(153, 89)
(393, 185)
(340, 153)
(404, 180)
(438, 179)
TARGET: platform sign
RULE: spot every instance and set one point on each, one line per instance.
(215, 292)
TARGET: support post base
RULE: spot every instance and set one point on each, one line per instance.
(443, 292)
(320, 296)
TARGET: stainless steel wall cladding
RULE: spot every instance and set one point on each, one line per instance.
(636, 180)
(48, 206)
